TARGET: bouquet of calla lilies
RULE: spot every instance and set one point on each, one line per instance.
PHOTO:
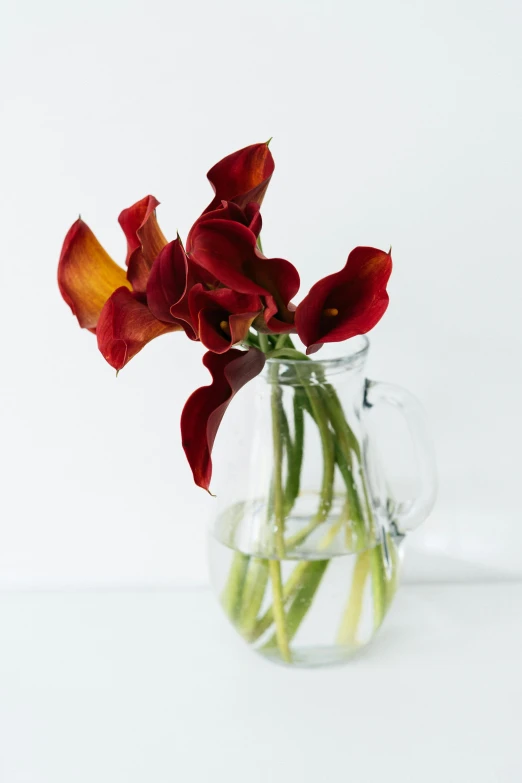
(218, 288)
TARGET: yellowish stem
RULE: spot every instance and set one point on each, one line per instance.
(278, 608)
(347, 634)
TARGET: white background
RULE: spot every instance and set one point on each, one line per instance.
(393, 122)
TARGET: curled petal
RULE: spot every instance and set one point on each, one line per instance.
(171, 278)
(347, 303)
(167, 286)
(225, 249)
(125, 326)
(205, 408)
(276, 319)
(223, 317)
(144, 240)
(242, 177)
(227, 210)
(228, 251)
(253, 218)
(87, 275)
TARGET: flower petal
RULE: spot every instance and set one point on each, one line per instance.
(87, 275)
(167, 284)
(227, 210)
(144, 240)
(170, 280)
(223, 248)
(347, 303)
(205, 408)
(228, 251)
(242, 177)
(223, 317)
(125, 326)
(276, 319)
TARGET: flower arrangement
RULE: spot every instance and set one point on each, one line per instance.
(220, 288)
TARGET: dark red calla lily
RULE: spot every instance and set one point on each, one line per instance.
(171, 279)
(250, 217)
(206, 407)
(168, 284)
(125, 326)
(347, 303)
(242, 177)
(228, 251)
(222, 317)
(144, 240)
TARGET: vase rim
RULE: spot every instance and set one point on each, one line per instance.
(336, 358)
(333, 355)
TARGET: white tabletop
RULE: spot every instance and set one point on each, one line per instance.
(154, 687)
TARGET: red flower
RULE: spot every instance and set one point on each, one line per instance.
(144, 240)
(125, 326)
(205, 408)
(250, 217)
(347, 303)
(231, 279)
(242, 177)
(170, 280)
(222, 317)
(105, 299)
(228, 251)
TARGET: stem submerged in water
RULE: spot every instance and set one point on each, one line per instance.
(279, 518)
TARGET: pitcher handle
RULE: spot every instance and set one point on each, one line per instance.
(409, 514)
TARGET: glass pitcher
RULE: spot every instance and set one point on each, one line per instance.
(306, 545)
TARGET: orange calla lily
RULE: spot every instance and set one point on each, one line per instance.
(106, 299)
(87, 275)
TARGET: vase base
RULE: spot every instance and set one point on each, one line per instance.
(313, 657)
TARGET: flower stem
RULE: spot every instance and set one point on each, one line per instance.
(274, 566)
(279, 510)
(281, 632)
(254, 588)
(378, 584)
(295, 455)
(347, 634)
(289, 589)
(302, 599)
(233, 592)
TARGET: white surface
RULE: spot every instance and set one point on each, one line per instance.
(393, 123)
(128, 687)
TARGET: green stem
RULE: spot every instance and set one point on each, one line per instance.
(279, 521)
(281, 631)
(347, 634)
(289, 589)
(327, 447)
(295, 456)
(264, 344)
(279, 510)
(343, 439)
(378, 584)
(303, 599)
(297, 578)
(253, 593)
(232, 595)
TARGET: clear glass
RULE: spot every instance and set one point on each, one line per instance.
(306, 544)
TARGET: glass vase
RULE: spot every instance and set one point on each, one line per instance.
(306, 545)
